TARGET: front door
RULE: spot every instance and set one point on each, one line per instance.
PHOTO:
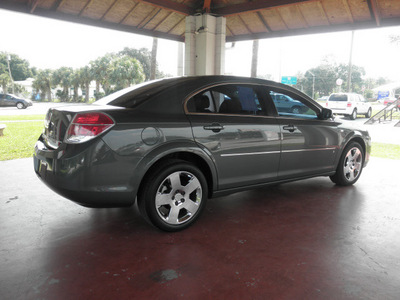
(309, 145)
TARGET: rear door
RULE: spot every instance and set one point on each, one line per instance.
(233, 125)
(309, 145)
(362, 104)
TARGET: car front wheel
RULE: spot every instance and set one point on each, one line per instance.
(350, 165)
(20, 105)
(173, 196)
(295, 110)
(369, 113)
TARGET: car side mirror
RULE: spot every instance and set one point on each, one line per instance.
(325, 114)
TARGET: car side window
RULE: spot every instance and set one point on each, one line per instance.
(288, 105)
(227, 99)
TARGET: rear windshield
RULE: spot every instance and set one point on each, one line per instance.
(338, 97)
(132, 96)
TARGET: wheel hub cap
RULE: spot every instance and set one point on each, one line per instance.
(178, 197)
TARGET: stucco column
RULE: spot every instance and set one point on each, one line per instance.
(205, 45)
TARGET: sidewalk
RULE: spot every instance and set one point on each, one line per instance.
(384, 133)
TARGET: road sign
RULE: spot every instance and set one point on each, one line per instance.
(383, 94)
(289, 80)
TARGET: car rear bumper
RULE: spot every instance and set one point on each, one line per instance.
(341, 111)
(93, 177)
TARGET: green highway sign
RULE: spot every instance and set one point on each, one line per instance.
(289, 80)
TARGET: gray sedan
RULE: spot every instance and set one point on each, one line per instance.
(173, 143)
(12, 100)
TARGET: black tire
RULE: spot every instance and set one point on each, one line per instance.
(20, 105)
(353, 115)
(166, 199)
(369, 113)
(350, 165)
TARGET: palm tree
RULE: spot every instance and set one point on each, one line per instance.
(86, 77)
(43, 83)
(62, 77)
(75, 82)
(100, 69)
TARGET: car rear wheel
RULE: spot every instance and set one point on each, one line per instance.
(369, 113)
(350, 165)
(173, 196)
(20, 105)
(353, 115)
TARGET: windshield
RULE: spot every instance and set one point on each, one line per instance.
(338, 97)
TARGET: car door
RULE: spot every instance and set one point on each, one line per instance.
(362, 104)
(308, 145)
(231, 124)
(8, 100)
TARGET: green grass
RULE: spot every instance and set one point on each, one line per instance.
(19, 139)
(22, 118)
(385, 150)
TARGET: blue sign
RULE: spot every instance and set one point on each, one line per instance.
(383, 94)
(289, 80)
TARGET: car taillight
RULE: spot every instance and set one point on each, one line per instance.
(348, 104)
(87, 126)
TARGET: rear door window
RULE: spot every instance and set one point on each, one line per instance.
(338, 97)
(227, 99)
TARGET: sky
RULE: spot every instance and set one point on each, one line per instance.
(48, 43)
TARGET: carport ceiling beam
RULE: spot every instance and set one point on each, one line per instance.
(253, 6)
(374, 10)
(171, 5)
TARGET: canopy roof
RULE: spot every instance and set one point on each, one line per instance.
(245, 19)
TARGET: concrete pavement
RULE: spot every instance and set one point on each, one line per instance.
(302, 240)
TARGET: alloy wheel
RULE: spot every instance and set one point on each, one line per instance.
(352, 164)
(178, 197)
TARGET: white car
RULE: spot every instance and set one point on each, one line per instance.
(349, 104)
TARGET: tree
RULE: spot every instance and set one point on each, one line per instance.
(63, 77)
(100, 69)
(324, 80)
(43, 83)
(143, 55)
(153, 64)
(4, 81)
(357, 74)
(325, 76)
(125, 71)
(20, 69)
(75, 82)
(86, 77)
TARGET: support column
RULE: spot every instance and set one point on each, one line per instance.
(205, 45)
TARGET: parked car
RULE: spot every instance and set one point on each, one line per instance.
(349, 104)
(173, 143)
(323, 98)
(12, 100)
(285, 103)
(390, 100)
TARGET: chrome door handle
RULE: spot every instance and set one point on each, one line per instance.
(215, 127)
(289, 128)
